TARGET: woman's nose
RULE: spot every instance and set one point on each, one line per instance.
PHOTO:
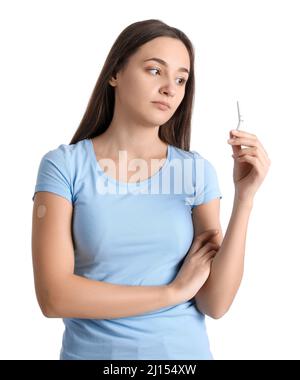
(169, 89)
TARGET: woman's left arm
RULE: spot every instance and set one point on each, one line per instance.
(250, 168)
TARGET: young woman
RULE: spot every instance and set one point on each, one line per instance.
(130, 260)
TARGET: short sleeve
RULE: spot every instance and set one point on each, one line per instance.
(54, 173)
(206, 181)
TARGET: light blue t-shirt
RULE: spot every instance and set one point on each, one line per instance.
(130, 234)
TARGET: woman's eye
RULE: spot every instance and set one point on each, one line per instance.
(154, 70)
(182, 79)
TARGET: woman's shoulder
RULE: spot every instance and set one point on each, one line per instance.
(66, 152)
(58, 167)
(184, 154)
(65, 158)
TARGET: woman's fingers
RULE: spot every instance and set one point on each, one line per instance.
(253, 151)
(204, 247)
(240, 134)
(242, 152)
(208, 247)
(254, 144)
(246, 141)
(210, 255)
(201, 239)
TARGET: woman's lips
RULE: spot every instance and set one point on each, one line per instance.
(161, 106)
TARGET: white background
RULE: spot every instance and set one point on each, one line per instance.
(51, 55)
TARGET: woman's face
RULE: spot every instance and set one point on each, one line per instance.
(143, 81)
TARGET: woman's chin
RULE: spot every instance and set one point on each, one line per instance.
(157, 120)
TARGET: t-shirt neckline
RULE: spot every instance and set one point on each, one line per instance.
(122, 183)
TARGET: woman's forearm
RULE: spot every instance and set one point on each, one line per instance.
(218, 292)
(79, 297)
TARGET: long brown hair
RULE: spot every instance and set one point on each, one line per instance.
(99, 112)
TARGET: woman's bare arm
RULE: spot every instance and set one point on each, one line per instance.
(61, 293)
(217, 294)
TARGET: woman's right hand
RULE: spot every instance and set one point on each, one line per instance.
(196, 266)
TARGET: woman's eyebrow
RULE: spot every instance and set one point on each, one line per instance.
(159, 60)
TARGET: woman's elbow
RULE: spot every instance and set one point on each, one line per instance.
(47, 306)
(48, 310)
(218, 313)
(214, 313)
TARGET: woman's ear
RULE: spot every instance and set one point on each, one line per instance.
(113, 81)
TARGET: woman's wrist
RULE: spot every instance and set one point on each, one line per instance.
(242, 200)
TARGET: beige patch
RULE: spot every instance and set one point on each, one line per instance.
(41, 211)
